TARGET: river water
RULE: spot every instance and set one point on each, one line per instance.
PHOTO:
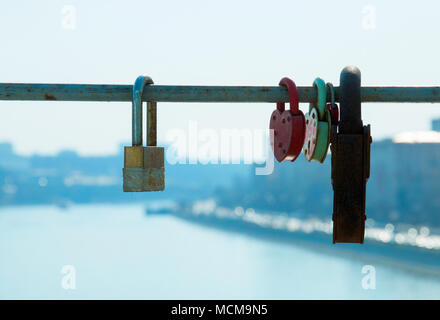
(117, 252)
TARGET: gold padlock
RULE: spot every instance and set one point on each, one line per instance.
(143, 166)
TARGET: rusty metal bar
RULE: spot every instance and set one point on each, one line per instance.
(159, 93)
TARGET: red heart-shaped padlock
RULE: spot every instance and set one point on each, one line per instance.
(287, 126)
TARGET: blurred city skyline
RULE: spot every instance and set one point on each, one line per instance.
(235, 154)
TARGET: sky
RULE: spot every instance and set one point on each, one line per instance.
(197, 42)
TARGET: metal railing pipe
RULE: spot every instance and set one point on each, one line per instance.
(168, 93)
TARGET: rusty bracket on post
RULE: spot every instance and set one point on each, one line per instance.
(350, 162)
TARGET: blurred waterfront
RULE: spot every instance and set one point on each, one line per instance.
(218, 231)
(119, 252)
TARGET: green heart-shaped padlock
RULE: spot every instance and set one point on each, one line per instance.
(318, 125)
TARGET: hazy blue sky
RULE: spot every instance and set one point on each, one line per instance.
(208, 43)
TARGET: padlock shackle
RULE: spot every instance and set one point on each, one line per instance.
(331, 106)
(138, 90)
(331, 91)
(350, 117)
(293, 96)
(151, 123)
(321, 97)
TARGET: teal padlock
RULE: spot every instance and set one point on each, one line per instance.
(318, 125)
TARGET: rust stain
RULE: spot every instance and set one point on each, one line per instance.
(48, 96)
